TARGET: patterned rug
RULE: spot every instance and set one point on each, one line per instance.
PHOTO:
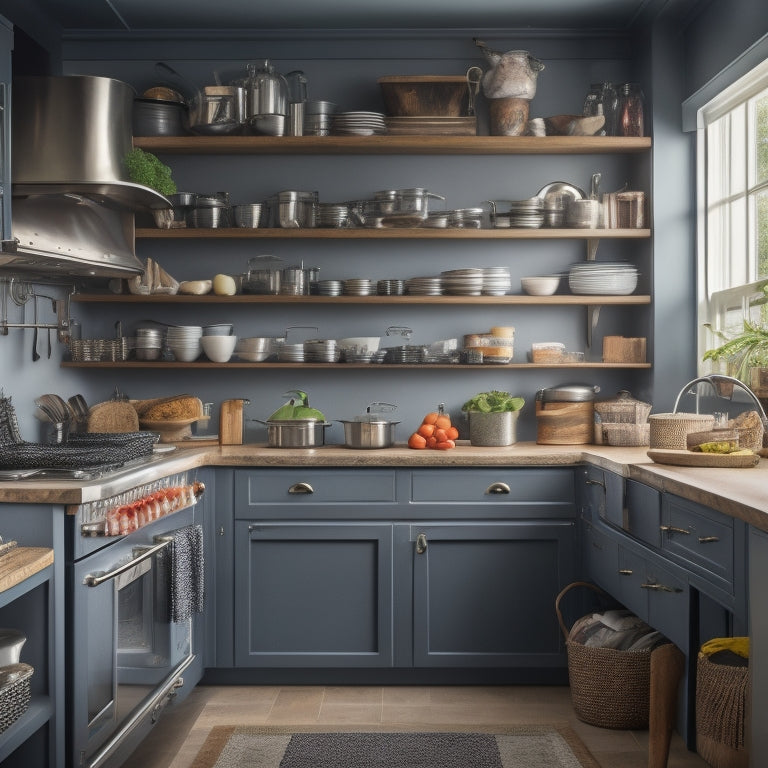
(524, 746)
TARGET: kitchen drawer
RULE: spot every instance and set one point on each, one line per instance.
(701, 538)
(313, 486)
(533, 489)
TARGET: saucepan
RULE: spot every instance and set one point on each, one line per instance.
(295, 433)
(371, 429)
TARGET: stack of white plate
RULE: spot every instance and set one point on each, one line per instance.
(463, 282)
(612, 278)
(358, 124)
(184, 342)
(424, 286)
(497, 281)
(359, 286)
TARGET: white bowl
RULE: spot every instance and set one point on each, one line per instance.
(218, 349)
(544, 285)
(219, 329)
(185, 353)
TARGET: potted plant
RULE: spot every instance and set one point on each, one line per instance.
(147, 169)
(493, 418)
(746, 354)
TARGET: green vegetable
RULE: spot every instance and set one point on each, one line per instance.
(145, 168)
(494, 401)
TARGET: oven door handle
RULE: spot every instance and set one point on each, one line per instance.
(95, 579)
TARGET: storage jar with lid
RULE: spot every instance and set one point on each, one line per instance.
(565, 414)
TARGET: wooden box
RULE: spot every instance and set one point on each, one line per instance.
(623, 349)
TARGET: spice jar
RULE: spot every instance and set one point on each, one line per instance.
(630, 113)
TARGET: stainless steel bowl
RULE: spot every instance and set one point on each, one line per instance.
(296, 433)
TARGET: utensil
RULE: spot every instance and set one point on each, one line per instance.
(35, 355)
(474, 75)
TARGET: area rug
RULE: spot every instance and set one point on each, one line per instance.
(524, 746)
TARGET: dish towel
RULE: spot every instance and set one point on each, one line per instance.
(187, 585)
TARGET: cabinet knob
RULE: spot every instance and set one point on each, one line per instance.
(300, 488)
(421, 543)
(497, 488)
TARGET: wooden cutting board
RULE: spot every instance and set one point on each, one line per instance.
(20, 563)
(696, 459)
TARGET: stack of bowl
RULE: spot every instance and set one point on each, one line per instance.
(149, 344)
(184, 342)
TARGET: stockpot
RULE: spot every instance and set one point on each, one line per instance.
(296, 433)
(371, 429)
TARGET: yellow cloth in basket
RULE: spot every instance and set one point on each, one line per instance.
(737, 645)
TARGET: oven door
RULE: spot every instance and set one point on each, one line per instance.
(126, 653)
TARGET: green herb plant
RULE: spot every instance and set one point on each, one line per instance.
(146, 169)
(494, 401)
(749, 349)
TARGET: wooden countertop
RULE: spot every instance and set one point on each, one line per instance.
(740, 493)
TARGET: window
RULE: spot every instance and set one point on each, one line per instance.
(732, 146)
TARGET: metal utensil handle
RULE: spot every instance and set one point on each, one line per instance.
(94, 579)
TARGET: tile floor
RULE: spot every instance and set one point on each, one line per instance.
(182, 730)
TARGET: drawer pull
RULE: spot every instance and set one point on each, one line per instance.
(708, 539)
(625, 571)
(589, 481)
(670, 529)
(660, 588)
(421, 543)
(497, 488)
(300, 488)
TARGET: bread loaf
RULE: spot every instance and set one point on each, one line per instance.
(112, 416)
(171, 409)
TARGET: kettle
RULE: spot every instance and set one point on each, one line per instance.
(266, 92)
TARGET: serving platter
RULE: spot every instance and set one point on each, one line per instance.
(683, 458)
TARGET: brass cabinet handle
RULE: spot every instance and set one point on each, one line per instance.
(672, 529)
(625, 571)
(421, 543)
(498, 488)
(299, 488)
(660, 588)
(708, 539)
(590, 481)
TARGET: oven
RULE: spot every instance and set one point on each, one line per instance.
(134, 577)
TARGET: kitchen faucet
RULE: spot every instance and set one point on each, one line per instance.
(720, 383)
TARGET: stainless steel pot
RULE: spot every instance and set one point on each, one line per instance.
(296, 433)
(379, 433)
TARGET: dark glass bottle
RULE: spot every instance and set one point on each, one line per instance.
(631, 111)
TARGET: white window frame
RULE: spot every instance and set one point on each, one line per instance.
(720, 301)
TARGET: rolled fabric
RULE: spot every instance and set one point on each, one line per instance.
(737, 645)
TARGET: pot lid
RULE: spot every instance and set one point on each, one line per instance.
(375, 413)
(576, 393)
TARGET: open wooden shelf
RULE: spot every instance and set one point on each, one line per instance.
(205, 365)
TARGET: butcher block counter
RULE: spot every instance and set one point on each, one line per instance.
(739, 493)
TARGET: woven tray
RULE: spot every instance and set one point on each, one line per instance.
(696, 459)
(14, 693)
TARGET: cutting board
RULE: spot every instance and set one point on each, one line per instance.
(20, 563)
(696, 459)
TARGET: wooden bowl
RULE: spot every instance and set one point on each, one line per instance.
(425, 95)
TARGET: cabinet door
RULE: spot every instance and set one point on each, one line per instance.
(313, 595)
(484, 593)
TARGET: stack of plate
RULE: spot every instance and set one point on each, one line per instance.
(424, 286)
(330, 287)
(463, 282)
(431, 126)
(409, 353)
(358, 286)
(466, 218)
(390, 287)
(526, 213)
(332, 215)
(321, 351)
(290, 353)
(612, 278)
(497, 281)
(184, 342)
(358, 124)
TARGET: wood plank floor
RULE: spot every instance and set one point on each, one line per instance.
(181, 730)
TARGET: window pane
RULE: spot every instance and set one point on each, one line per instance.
(761, 138)
(761, 232)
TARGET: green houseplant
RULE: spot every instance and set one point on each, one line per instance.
(493, 418)
(147, 169)
(743, 352)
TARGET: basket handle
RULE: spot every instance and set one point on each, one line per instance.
(562, 594)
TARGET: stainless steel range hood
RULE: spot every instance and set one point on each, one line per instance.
(73, 206)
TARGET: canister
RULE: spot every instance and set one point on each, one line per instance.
(11, 643)
(565, 414)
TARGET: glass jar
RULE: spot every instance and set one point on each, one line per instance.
(630, 114)
(602, 100)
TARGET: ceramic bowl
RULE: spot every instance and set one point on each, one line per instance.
(544, 285)
(218, 349)
(219, 329)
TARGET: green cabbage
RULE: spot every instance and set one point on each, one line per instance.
(494, 401)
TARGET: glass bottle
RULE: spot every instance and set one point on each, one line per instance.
(630, 114)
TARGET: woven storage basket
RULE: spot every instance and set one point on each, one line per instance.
(15, 693)
(609, 688)
(721, 700)
(669, 430)
(626, 435)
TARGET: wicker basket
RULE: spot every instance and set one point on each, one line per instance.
(609, 688)
(721, 700)
(14, 693)
(669, 430)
